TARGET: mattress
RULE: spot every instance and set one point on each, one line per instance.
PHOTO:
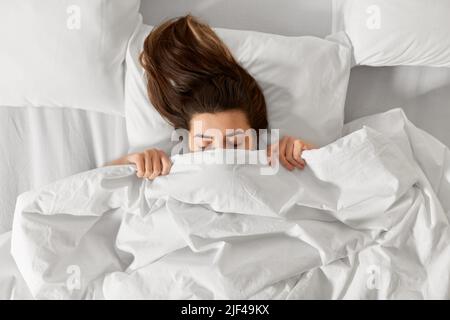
(40, 145)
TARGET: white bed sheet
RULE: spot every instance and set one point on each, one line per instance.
(38, 146)
(422, 92)
(12, 284)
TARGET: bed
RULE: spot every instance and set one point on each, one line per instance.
(38, 146)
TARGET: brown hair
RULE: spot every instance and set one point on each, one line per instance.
(190, 70)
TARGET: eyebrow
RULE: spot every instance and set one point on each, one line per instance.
(235, 133)
(201, 135)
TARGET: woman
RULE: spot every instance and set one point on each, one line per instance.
(194, 81)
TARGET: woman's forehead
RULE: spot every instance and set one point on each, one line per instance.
(233, 120)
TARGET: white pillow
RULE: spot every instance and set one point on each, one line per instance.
(65, 53)
(396, 32)
(304, 80)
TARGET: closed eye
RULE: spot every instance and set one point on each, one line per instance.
(203, 143)
(236, 141)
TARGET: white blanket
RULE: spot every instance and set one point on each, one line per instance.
(367, 218)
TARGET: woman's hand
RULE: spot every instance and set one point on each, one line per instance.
(290, 152)
(149, 164)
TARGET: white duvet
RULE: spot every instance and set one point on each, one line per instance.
(368, 218)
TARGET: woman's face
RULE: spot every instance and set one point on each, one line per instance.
(227, 129)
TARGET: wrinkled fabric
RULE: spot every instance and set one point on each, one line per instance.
(365, 219)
